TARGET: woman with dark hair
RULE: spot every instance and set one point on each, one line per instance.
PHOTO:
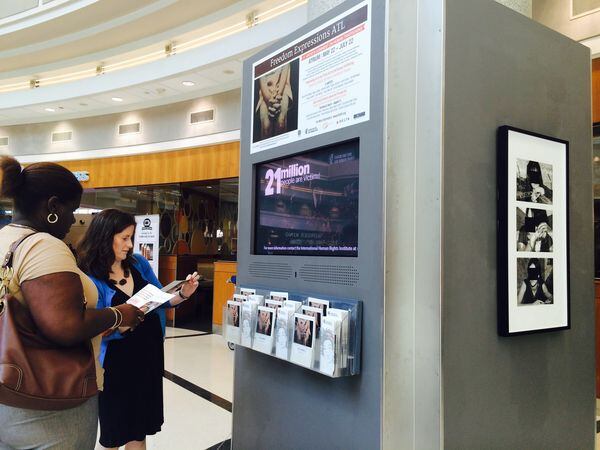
(533, 290)
(47, 281)
(131, 404)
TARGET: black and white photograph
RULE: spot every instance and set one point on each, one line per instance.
(533, 232)
(304, 331)
(534, 181)
(535, 281)
(276, 102)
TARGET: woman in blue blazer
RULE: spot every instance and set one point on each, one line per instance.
(131, 403)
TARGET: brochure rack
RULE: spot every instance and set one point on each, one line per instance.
(330, 344)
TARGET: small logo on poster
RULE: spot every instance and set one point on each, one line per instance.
(360, 114)
(146, 224)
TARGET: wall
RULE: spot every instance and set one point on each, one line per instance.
(203, 163)
(532, 391)
(556, 14)
(158, 124)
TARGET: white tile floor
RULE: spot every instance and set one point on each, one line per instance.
(191, 422)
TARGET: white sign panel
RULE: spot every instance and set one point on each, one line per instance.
(319, 83)
(146, 239)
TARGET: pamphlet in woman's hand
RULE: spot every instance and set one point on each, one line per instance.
(149, 298)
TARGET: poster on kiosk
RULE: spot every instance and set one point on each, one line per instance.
(319, 83)
(146, 239)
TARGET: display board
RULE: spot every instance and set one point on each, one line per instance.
(146, 240)
(310, 221)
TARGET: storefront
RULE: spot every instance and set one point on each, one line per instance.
(193, 195)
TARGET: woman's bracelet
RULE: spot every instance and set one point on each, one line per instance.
(118, 318)
(180, 293)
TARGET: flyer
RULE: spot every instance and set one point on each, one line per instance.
(304, 340)
(149, 298)
(283, 332)
(319, 83)
(247, 322)
(233, 321)
(330, 343)
(264, 335)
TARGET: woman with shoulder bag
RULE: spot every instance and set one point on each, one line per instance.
(48, 293)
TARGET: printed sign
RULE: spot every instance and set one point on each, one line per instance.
(146, 239)
(319, 83)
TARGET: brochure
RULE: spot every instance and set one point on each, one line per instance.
(263, 338)
(273, 304)
(283, 332)
(342, 314)
(329, 351)
(247, 291)
(249, 309)
(259, 299)
(318, 303)
(173, 287)
(304, 340)
(233, 321)
(149, 298)
(239, 298)
(292, 304)
(279, 296)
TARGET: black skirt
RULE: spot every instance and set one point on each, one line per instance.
(131, 404)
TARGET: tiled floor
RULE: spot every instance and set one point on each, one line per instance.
(201, 365)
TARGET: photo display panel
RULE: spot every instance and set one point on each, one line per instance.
(307, 204)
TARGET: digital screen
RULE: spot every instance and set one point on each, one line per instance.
(308, 204)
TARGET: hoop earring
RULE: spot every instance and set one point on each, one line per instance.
(51, 219)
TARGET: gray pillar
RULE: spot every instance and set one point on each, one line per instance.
(522, 6)
(318, 7)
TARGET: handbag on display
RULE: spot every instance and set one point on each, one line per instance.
(36, 373)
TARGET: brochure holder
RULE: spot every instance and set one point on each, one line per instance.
(329, 344)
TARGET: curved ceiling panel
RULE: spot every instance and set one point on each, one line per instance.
(98, 27)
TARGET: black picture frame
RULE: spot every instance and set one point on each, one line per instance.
(533, 293)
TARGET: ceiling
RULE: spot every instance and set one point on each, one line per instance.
(70, 38)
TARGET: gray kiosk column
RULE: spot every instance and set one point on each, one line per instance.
(456, 70)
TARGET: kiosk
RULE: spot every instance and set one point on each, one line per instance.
(311, 203)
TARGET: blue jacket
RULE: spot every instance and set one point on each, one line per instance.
(106, 293)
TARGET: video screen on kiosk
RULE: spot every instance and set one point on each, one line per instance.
(307, 204)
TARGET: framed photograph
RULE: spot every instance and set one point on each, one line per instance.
(533, 232)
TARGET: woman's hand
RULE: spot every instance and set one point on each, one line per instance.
(190, 285)
(132, 316)
(187, 289)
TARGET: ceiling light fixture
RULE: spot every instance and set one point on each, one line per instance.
(117, 99)
(188, 83)
(170, 49)
(49, 109)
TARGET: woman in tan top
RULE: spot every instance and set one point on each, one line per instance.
(46, 280)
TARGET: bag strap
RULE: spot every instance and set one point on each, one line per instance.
(8, 259)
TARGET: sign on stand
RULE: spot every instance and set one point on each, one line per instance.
(146, 239)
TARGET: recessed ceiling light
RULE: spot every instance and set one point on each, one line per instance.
(188, 83)
(117, 99)
(83, 104)
(228, 72)
(50, 109)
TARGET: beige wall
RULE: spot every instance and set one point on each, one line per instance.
(556, 14)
